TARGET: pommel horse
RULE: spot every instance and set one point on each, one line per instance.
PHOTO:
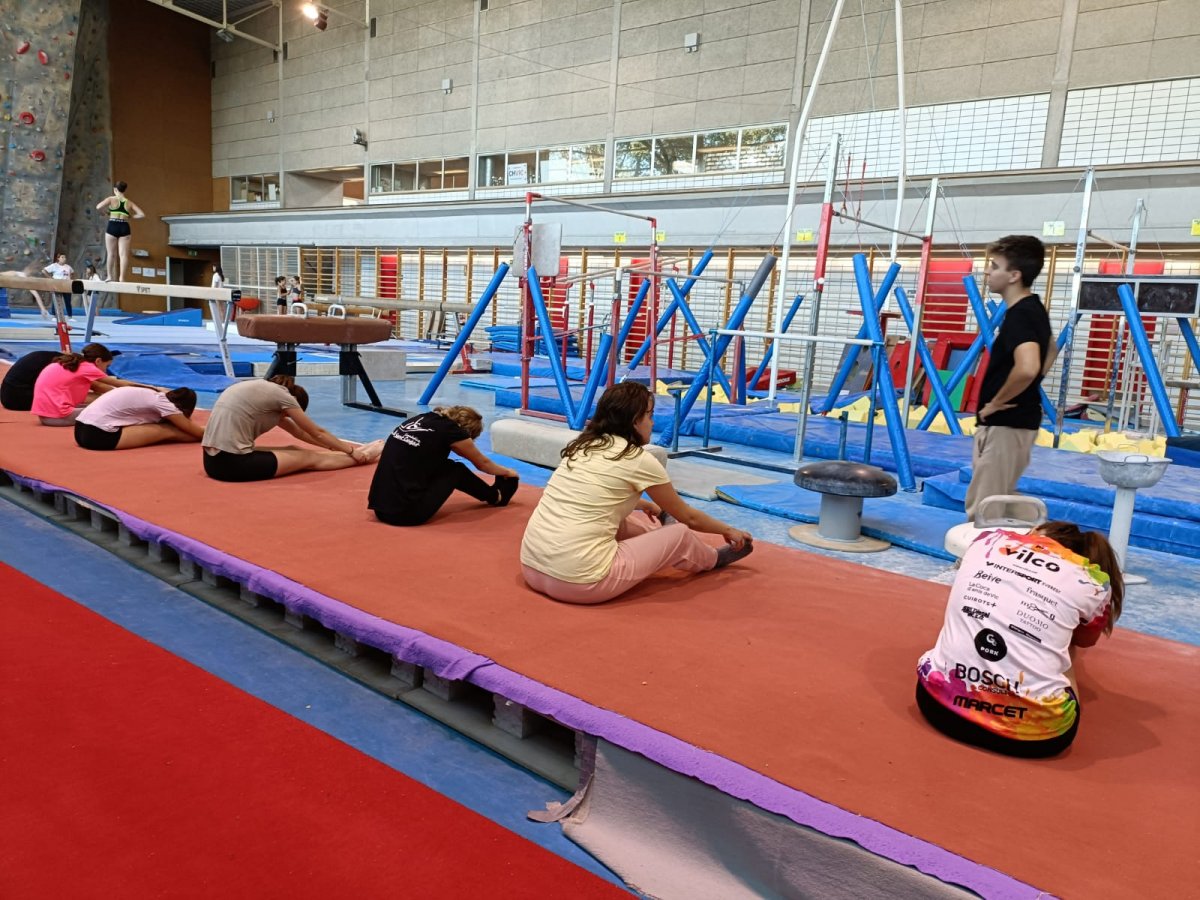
(289, 332)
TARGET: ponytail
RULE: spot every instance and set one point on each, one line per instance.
(92, 353)
(69, 361)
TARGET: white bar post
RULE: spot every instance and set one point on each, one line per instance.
(1076, 282)
(903, 123)
(793, 178)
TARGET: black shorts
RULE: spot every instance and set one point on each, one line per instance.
(955, 726)
(118, 228)
(257, 465)
(89, 437)
(18, 399)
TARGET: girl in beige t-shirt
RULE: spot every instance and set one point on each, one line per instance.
(592, 536)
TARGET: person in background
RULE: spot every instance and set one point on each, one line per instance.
(1000, 675)
(1010, 407)
(416, 476)
(281, 295)
(117, 235)
(218, 279)
(61, 269)
(592, 536)
(296, 290)
(129, 417)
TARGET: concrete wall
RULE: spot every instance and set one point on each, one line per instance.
(530, 73)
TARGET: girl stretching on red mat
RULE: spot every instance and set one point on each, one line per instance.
(416, 476)
(592, 536)
(248, 410)
(71, 381)
(1000, 675)
(130, 417)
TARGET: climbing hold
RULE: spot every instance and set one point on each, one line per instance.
(43, 58)
(26, 118)
(22, 47)
(37, 155)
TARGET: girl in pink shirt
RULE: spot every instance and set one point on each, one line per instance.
(63, 387)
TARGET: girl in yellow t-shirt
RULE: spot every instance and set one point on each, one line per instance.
(592, 536)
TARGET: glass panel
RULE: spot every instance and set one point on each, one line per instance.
(404, 177)
(554, 165)
(762, 148)
(521, 168)
(716, 151)
(633, 159)
(271, 187)
(674, 155)
(587, 163)
(491, 170)
(381, 179)
(429, 175)
(239, 189)
(455, 173)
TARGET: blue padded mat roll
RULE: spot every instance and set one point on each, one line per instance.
(899, 519)
(1076, 476)
(1169, 535)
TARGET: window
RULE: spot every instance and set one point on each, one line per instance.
(675, 155)
(717, 151)
(546, 165)
(254, 189)
(633, 159)
(762, 148)
(721, 152)
(420, 175)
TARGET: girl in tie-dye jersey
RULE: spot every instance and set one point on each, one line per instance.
(1000, 676)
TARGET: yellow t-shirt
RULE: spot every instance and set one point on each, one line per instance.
(572, 535)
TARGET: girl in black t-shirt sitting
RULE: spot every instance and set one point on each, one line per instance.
(416, 477)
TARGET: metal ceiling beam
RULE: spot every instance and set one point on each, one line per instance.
(223, 25)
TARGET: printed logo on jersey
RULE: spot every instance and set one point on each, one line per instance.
(990, 645)
(1026, 555)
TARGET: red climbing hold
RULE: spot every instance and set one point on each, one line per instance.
(43, 58)
(37, 155)
(26, 118)
(22, 47)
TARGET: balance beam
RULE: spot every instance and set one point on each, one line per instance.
(17, 282)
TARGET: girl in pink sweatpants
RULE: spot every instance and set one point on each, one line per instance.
(592, 536)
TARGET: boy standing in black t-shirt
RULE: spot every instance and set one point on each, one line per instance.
(1010, 409)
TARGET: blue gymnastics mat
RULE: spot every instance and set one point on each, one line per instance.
(1076, 476)
(900, 519)
(1169, 535)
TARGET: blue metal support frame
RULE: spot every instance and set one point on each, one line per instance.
(883, 374)
(938, 390)
(464, 334)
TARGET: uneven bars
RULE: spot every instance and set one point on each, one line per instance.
(887, 228)
(616, 212)
(803, 338)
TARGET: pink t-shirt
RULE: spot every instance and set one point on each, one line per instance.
(127, 406)
(57, 391)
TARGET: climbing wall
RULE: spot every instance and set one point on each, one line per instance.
(87, 162)
(37, 62)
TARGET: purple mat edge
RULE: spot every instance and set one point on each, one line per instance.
(450, 661)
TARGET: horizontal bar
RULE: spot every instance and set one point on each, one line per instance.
(887, 228)
(16, 282)
(1103, 240)
(615, 212)
(687, 277)
(804, 338)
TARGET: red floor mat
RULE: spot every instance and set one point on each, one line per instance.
(794, 665)
(128, 772)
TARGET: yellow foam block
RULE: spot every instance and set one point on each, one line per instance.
(968, 425)
(1079, 442)
(1044, 438)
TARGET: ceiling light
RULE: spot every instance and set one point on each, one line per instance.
(310, 11)
(225, 35)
